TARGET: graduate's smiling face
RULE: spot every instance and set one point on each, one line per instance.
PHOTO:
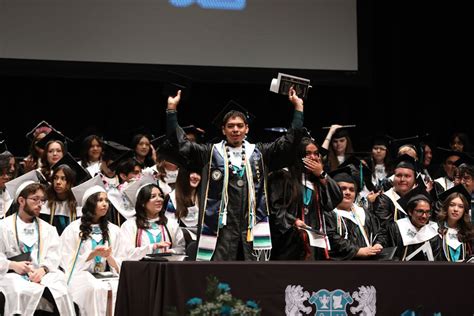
(95, 150)
(404, 180)
(348, 195)
(235, 130)
(154, 204)
(455, 210)
(420, 215)
(194, 179)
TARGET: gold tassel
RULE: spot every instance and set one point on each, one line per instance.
(249, 235)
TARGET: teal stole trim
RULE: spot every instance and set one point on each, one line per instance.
(151, 238)
(213, 206)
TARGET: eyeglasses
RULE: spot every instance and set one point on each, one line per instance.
(38, 200)
(422, 212)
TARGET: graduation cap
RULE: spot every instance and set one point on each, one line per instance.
(81, 173)
(191, 129)
(83, 191)
(345, 174)
(124, 156)
(166, 151)
(465, 160)
(362, 173)
(381, 140)
(417, 193)
(175, 82)
(283, 82)
(52, 136)
(445, 153)
(460, 188)
(113, 150)
(41, 127)
(406, 161)
(232, 106)
(132, 190)
(15, 186)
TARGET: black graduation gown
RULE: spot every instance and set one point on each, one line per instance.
(390, 237)
(286, 238)
(231, 241)
(384, 210)
(346, 249)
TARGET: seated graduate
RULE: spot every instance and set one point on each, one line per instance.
(455, 227)
(90, 245)
(235, 223)
(386, 206)
(61, 207)
(149, 231)
(33, 249)
(449, 158)
(351, 229)
(54, 148)
(300, 197)
(415, 236)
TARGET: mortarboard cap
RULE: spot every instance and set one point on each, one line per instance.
(412, 141)
(113, 150)
(17, 185)
(81, 173)
(465, 160)
(41, 127)
(196, 131)
(340, 132)
(417, 193)
(445, 153)
(175, 82)
(272, 133)
(51, 136)
(232, 106)
(344, 174)
(406, 161)
(166, 151)
(283, 82)
(132, 190)
(381, 140)
(460, 188)
(362, 173)
(83, 191)
(124, 156)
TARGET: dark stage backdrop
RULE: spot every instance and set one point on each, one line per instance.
(398, 89)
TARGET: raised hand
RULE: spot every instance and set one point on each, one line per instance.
(174, 101)
(295, 99)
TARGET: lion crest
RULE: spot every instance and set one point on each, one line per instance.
(366, 297)
(294, 299)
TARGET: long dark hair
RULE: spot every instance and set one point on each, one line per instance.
(464, 225)
(46, 168)
(148, 162)
(332, 157)
(86, 145)
(88, 213)
(70, 179)
(183, 192)
(140, 207)
(298, 169)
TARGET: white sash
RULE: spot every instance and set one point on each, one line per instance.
(412, 236)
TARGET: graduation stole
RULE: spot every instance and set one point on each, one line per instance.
(355, 215)
(139, 233)
(62, 221)
(26, 248)
(453, 249)
(392, 195)
(216, 202)
(78, 248)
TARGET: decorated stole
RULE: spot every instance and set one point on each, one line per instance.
(393, 196)
(216, 202)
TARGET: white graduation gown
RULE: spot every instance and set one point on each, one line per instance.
(23, 296)
(128, 232)
(87, 291)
